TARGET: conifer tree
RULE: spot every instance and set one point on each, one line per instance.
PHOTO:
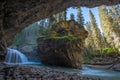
(64, 15)
(89, 41)
(98, 41)
(72, 16)
(58, 16)
(52, 20)
(80, 18)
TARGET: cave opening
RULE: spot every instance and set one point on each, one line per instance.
(58, 33)
(87, 17)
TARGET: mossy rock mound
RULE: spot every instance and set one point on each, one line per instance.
(68, 28)
(64, 46)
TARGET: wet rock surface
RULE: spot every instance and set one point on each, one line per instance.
(29, 72)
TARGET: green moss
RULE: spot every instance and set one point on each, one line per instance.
(86, 59)
(109, 50)
(88, 55)
(70, 38)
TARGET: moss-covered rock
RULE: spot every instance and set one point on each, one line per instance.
(64, 46)
(69, 28)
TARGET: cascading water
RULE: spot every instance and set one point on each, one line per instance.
(15, 56)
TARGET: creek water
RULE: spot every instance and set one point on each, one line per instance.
(101, 74)
(14, 56)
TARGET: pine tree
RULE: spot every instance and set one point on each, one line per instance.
(72, 16)
(52, 20)
(96, 33)
(89, 41)
(80, 18)
(64, 15)
(58, 16)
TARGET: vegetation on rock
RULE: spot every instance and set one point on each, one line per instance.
(68, 28)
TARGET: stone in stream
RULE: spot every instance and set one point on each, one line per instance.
(64, 45)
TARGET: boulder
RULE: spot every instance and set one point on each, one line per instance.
(117, 67)
(64, 45)
(60, 52)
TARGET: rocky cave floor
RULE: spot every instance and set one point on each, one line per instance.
(30, 72)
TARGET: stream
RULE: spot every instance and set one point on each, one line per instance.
(102, 74)
(15, 57)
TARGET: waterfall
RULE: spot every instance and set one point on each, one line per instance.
(15, 56)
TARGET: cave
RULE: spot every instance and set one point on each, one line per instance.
(15, 15)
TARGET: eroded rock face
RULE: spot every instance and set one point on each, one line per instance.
(60, 52)
(18, 14)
